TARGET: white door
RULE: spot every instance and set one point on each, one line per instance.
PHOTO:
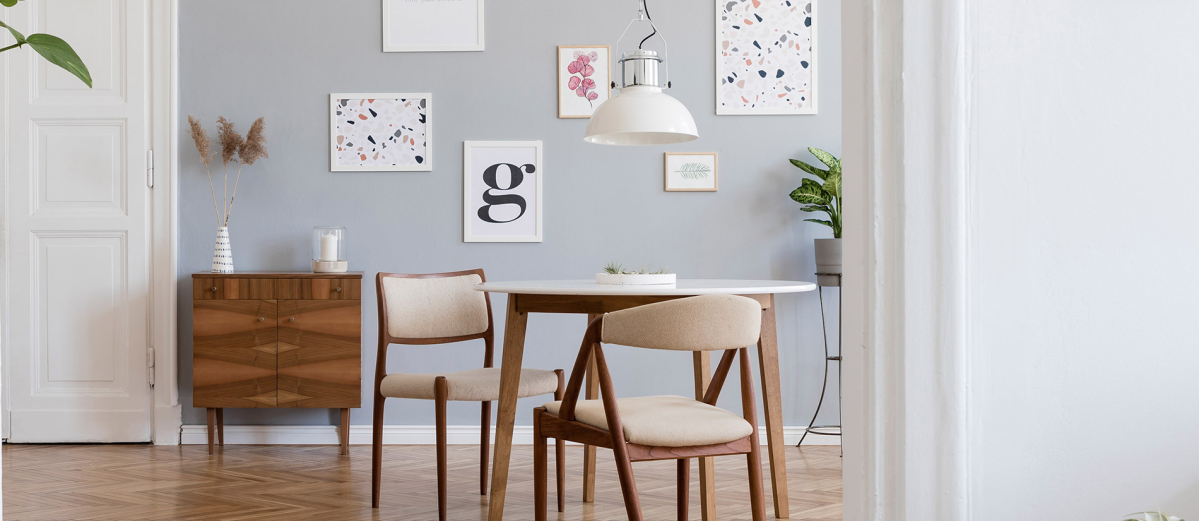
(76, 217)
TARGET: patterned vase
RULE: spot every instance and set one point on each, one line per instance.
(222, 256)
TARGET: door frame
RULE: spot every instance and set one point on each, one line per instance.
(908, 84)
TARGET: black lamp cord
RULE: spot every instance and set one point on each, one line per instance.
(645, 7)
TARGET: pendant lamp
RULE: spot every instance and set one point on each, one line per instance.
(641, 114)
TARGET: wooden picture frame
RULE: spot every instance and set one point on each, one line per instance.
(426, 20)
(569, 103)
(415, 159)
(676, 179)
(478, 199)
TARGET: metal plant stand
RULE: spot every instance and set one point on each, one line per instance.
(824, 280)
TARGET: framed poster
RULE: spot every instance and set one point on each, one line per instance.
(380, 132)
(691, 172)
(432, 25)
(584, 79)
(501, 186)
(765, 57)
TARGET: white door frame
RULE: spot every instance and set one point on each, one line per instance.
(164, 270)
(907, 83)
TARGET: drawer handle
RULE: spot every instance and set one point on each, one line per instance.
(339, 288)
(292, 319)
(214, 288)
(260, 319)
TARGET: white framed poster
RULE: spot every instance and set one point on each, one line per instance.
(380, 132)
(690, 172)
(584, 79)
(432, 25)
(765, 57)
(501, 186)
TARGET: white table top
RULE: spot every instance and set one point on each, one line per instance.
(682, 287)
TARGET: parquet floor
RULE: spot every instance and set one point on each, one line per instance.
(280, 482)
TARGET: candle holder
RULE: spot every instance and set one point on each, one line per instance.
(329, 249)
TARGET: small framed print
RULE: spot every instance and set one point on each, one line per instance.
(380, 133)
(432, 25)
(691, 172)
(584, 79)
(768, 66)
(501, 184)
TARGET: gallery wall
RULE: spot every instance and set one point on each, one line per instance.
(281, 60)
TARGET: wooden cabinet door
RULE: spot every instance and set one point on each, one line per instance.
(320, 353)
(234, 354)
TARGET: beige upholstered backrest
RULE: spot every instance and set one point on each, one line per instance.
(703, 323)
(434, 307)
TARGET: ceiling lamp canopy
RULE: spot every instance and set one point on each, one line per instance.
(641, 114)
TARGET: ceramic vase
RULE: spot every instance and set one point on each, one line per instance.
(222, 255)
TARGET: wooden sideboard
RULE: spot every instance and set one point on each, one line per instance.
(276, 339)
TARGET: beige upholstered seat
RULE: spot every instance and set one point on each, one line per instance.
(475, 385)
(665, 421)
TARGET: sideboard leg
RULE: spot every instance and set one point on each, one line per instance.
(211, 428)
(345, 431)
(220, 427)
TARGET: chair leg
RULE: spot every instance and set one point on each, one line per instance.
(560, 448)
(220, 427)
(628, 486)
(684, 487)
(377, 451)
(211, 428)
(539, 470)
(440, 392)
(757, 501)
(484, 445)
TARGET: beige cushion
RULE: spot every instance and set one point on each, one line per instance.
(434, 307)
(703, 323)
(665, 421)
(475, 385)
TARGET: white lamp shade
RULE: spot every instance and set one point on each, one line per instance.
(641, 115)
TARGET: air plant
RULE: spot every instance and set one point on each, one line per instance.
(818, 197)
(235, 148)
(1151, 516)
(582, 84)
(615, 268)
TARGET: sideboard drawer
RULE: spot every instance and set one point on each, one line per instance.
(228, 288)
(318, 289)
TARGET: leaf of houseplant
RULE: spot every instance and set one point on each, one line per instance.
(8, 3)
(810, 169)
(60, 53)
(825, 157)
(819, 221)
(15, 33)
(832, 184)
(815, 208)
(810, 192)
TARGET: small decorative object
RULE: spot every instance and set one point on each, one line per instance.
(614, 273)
(239, 150)
(380, 132)
(823, 197)
(329, 249)
(690, 172)
(1151, 516)
(641, 114)
(424, 25)
(584, 81)
(765, 57)
(501, 191)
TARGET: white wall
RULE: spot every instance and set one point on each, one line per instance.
(1085, 260)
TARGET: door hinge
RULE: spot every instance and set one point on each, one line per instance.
(150, 168)
(150, 365)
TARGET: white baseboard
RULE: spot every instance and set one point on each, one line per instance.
(401, 435)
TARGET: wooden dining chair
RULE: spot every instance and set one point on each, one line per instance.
(439, 308)
(660, 427)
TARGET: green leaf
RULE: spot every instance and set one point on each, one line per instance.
(816, 208)
(825, 157)
(832, 184)
(58, 52)
(819, 221)
(8, 3)
(810, 169)
(15, 33)
(810, 192)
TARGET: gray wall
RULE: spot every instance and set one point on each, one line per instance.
(281, 59)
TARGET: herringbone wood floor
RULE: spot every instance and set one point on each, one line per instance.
(280, 482)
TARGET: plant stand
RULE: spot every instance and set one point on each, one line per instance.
(824, 280)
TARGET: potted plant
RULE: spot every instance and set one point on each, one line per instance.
(614, 273)
(1151, 516)
(825, 197)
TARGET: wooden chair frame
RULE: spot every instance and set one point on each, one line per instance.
(440, 394)
(564, 426)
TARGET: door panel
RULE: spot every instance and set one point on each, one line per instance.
(234, 353)
(320, 353)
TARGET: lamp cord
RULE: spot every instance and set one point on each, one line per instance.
(645, 7)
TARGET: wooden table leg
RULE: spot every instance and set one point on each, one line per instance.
(211, 428)
(591, 392)
(344, 430)
(772, 401)
(510, 364)
(702, 361)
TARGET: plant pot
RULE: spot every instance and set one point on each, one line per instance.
(634, 278)
(828, 257)
(222, 255)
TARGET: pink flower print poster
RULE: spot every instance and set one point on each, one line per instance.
(584, 79)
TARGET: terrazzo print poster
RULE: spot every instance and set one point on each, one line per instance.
(765, 58)
(385, 132)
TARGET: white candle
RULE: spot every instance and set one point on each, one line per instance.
(328, 247)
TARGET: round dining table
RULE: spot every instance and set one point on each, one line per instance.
(586, 297)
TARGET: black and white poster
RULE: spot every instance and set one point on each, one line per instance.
(502, 191)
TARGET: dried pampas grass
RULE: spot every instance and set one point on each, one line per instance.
(252, 148)
(234, 147)
(204, 147)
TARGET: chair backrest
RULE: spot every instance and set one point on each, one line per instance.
(703, 323)
(433, 307)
